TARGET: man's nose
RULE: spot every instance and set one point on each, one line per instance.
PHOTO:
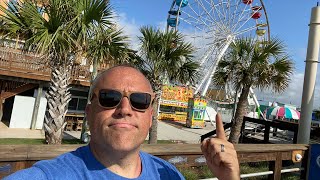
(124, 108)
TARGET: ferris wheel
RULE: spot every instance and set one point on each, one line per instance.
(212, 25)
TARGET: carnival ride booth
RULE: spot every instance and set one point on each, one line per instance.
(174, 103)
(196, 112)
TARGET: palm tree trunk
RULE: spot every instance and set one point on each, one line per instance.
(153, 133)
(238, 118)
(58, 97)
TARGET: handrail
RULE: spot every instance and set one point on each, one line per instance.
(39, 152)
(23, 156)
(14, 62)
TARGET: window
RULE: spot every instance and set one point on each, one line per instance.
(77, 104)
(78, 101)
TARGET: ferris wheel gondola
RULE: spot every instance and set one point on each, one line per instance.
(212, 25)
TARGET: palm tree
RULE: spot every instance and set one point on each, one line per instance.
(107, 46)
(253, 64)
(165, 55)
(61, 31)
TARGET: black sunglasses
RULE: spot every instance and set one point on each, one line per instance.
(110, 98)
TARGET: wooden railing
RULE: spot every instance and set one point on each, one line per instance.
(16, 157)
(14, 62)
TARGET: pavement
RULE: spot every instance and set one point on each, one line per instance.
(178, 132)
(174, 131)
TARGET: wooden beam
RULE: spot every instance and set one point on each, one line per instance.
(23, 156)
(18, 90)
(38, 152)
(276, 167)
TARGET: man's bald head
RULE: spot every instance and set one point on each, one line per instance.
(121, 70)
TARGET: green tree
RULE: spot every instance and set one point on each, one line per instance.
(165, 56)
(253, 64)
(62, 31)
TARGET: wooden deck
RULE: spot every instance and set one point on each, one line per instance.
(15, 63)
(18, 157)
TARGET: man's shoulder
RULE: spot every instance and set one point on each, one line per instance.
(33, 173)
(62, 166)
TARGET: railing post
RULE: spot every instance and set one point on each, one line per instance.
(242, 129)
(266, 133)
(295, 136)
(305, 164)
(276, 167)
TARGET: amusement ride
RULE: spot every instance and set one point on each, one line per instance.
(211, 26)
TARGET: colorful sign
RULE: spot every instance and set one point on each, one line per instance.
(199, 103)
(176, 93)
(173, 103)
(177, 97)
(177, 116)
(196, 112)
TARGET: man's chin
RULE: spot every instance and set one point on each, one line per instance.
(125, 148)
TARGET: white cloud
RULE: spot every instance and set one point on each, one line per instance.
(293, 94)
(130, 28)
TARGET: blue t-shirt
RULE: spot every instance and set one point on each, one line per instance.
(81, 164)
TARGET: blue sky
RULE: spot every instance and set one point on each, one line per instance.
(288, 21)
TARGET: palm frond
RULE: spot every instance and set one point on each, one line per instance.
(167, 55)
(250, 63)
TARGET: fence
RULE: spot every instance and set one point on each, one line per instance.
(15, 62)
(16, 157)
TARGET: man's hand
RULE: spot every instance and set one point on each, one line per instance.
(220, 154)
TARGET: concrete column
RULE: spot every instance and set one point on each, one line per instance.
(1, 108)
(309, 77)
(36, 107)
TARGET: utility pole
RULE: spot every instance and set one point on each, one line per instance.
(309, 77)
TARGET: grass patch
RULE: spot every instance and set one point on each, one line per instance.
(194, 173)
(11, 141)
(203, 172)
(15, 141)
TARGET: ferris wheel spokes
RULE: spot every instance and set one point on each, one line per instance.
(246, 20)
(245, 30)
(210, 24)
(212, 21)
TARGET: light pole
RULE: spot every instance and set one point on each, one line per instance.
(309, 77)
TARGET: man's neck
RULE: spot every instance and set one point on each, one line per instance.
(126, 164)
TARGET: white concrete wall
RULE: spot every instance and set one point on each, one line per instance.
(22, 112)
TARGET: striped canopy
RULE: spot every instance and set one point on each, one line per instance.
(280, 112)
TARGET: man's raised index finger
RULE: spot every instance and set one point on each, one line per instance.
(219, 127)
